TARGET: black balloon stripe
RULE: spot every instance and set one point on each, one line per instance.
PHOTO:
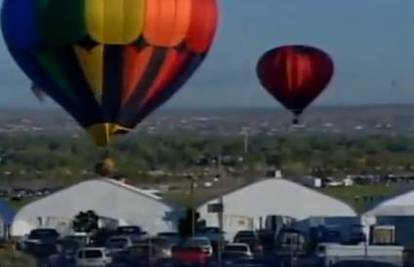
(111, 93)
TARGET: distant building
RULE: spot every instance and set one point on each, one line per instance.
(6, 219)
(313, 182)
(399, 212)
(248, 207)
(348, 181)
(108, 198)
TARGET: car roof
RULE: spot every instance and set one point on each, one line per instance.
(119, 237)
(203, 238)
(78, 234)
(43, 229)
(92, 248)
(237, 244)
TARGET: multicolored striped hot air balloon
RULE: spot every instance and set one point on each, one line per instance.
(109, 63)
(295, 75)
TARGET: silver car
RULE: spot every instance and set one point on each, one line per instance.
(92, 257)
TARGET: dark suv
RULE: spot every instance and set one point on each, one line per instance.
(42, 242)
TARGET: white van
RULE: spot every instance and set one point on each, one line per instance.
(92, 257)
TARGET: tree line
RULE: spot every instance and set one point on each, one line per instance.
(62, 157)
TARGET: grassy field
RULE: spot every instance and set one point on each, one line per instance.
(10, 258)
(185, 199)
(362, 197)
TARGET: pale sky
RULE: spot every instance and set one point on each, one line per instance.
(371, 42)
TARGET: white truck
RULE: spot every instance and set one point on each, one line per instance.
(328, 254)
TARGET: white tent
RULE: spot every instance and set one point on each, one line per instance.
(108, 198)
(247, 208)
(399, 212)
(401, 205)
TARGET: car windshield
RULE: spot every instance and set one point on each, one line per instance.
(236, 248)
(291, 240)
(157, 241)
(117, 243)
(246, 240)
(129, 230)
(143, 250)
(195, 242)
(89, 254)
(245, 234)
(233, 255)
(169, 235)
(211, 230)
(44, 233)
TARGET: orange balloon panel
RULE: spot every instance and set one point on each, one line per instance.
(167, 22)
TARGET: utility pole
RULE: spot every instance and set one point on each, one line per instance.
(220, 215)
(193, 217)
(245, 141)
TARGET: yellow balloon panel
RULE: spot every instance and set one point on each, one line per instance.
(91, 62)
(115, 21)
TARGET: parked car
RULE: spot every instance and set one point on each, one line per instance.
(248, 263)
(172, 236)
(252, 241)
(41, 242)
(68, 245)
(164, 245)
(138, 255)
(239, 249)
(134, 232)
(61, 260)
(214, 234)
(118, 243)
(189, 256)
(291, 241)
(200, 242)
(92, 257)
(229, 259)
(245, 235)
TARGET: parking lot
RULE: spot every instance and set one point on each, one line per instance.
(129, 246)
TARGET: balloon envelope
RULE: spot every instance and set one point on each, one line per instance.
(295, 75)
(109, 63)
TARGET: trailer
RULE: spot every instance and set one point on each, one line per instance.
(327, 254)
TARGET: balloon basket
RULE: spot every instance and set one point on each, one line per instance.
(295, 121)
(106, 164)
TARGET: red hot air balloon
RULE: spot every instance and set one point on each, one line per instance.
(295, 75)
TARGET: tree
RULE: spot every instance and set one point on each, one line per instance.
(86, 222)
(185, 226)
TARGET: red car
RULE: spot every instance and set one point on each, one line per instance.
(189, 256)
